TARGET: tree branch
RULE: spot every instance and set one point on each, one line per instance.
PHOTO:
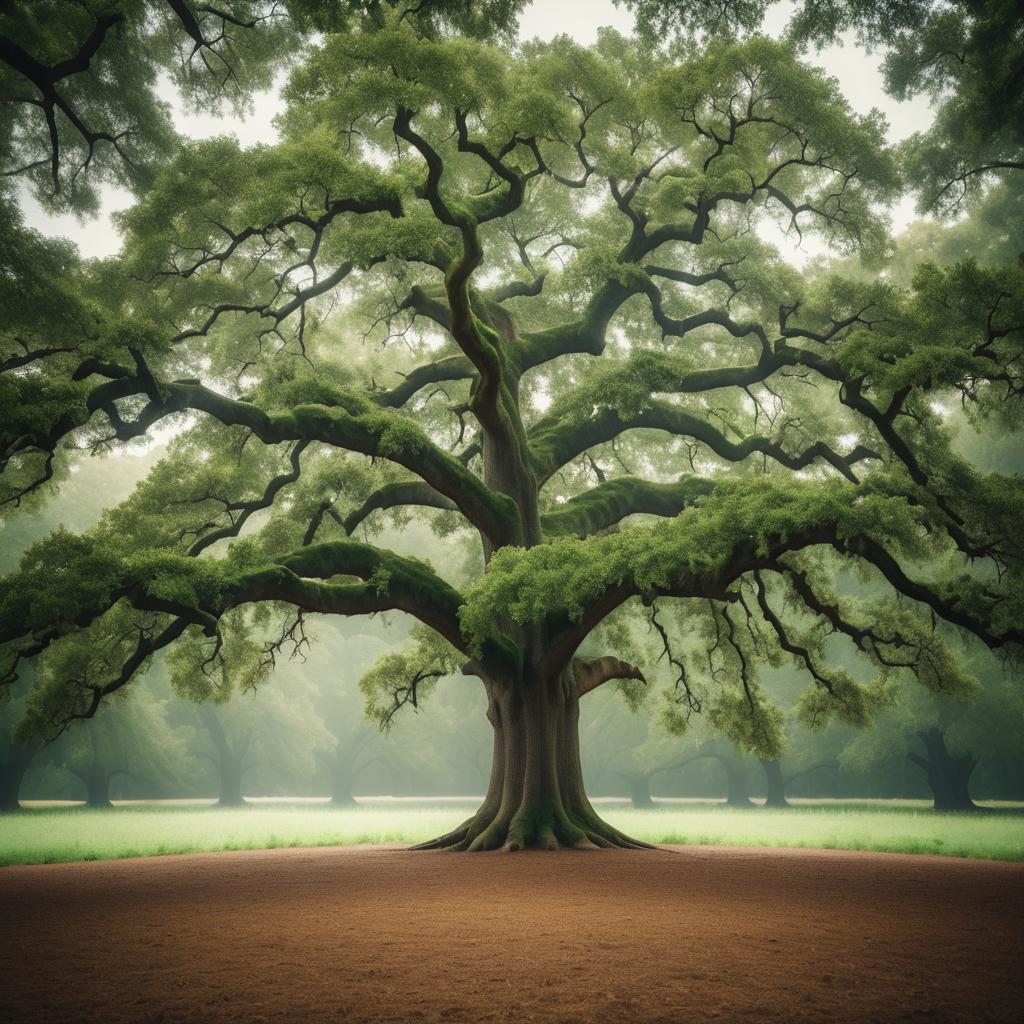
(590, 673)
(603, 506)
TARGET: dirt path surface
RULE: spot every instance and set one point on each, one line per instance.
(372, 934)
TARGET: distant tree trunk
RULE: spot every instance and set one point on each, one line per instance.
(640, 791)
(736, 774)
(97, 785)
(229, 760)
(12, 771)
(96, 774)
(948, 776)
(230, 789)
(737, 791)
(342, 779)
(775, 783)
(96, 779)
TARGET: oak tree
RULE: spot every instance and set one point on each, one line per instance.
(520, 292)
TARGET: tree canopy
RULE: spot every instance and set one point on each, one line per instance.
(520, 291)
(968, 57)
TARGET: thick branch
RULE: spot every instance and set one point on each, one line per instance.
(590, 673)
(448, 368)
(555, 443)
(748, 557)
(390, 582)
(349, 425)
(604, 505)
(396, 495)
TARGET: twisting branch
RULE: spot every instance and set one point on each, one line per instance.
(684, 693)
(146, 647)
(344, 426)
(246, 508)
(207, 46)
(785, 642)
(397, 495)
(444, 369)
(406, 694)
(867, 639)
(556, 442)
(52, 101)
(613, 500)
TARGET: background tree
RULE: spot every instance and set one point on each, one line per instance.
(779, 778)
(352, 744)
(556, 248)
(735, 766)
(132, 738)
(949, 742)
(625, 750)
(15, 756)
(272, 733)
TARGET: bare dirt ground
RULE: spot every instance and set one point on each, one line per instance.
(373, 934)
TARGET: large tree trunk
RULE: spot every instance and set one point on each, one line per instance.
(535, 796)
(775, 784)
(948, 776)
(12, 771)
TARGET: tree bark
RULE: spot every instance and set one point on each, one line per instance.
(12, 772)
(775, 784)
(948, 776)
(535, 797)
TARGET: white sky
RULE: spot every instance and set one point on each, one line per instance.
(856, 72)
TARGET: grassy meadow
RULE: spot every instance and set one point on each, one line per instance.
(47, 835)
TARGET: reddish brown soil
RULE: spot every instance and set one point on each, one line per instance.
(370, 934)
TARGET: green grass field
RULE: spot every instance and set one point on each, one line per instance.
(53, 835)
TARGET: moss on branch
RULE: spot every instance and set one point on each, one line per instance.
(603, 506)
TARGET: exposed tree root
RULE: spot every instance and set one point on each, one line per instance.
(550, 827)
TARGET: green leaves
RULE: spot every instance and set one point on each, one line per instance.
(58, 578)
(405, 678)
(697, 551)
(750, 721)
(961, 328)
(728, 106)
(83, 84)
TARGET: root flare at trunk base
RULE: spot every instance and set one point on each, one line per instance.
(543, 827)
(535, 797)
